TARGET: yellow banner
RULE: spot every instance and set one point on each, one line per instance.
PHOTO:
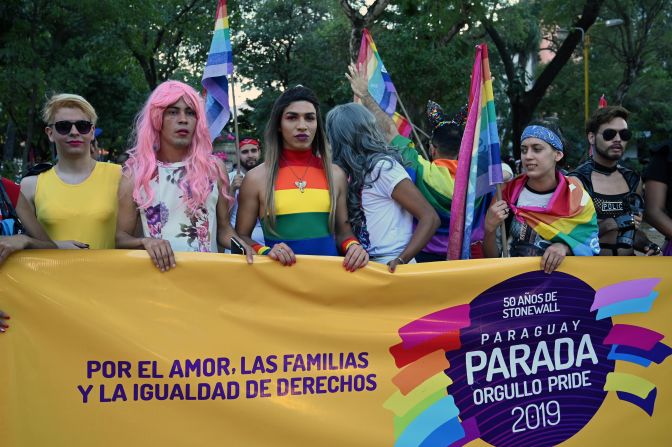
(104, 350)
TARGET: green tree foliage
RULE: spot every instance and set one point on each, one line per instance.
(169, 39)
(114, 52)
(611, 70)
(279, 44)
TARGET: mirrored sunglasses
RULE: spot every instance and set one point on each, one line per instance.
(64, 127)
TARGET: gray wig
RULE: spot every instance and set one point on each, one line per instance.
(357, 146)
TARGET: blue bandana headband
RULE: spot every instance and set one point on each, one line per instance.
(543, 134)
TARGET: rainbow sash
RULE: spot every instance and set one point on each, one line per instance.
(569, 217)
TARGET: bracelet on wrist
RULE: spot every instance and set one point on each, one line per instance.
(261, 249)
(346, 244)
(399, 260)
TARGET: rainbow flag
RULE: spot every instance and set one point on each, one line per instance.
(480, 166)
(380, 84)
(218, 66)
(402, 124)
(569, 217)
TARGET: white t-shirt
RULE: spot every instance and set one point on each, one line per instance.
(258, 232)
(524, 241)
(389, 225)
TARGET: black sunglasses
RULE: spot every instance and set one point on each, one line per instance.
(610, 134)
(63, 127)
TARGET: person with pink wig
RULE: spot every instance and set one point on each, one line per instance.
(173, 182)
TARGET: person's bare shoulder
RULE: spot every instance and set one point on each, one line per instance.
(339, 176)
(257, 175)
(28, 187)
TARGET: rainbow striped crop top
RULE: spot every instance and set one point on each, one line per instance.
(302, 205)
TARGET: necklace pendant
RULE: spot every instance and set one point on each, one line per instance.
(301, 184)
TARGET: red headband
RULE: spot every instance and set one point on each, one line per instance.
(245, 141)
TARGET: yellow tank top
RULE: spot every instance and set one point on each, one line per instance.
(86, 212)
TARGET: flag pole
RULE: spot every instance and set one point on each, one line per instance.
(505, 241)
(235, 123)
(424, 152)
(420, 130)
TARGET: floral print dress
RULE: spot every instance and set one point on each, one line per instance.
(169, 218)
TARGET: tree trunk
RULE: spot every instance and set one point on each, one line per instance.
(355, 40)
(360, 22)
(524, 104)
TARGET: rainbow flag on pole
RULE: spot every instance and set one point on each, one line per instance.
(480, 166)
(381, 87)
(402, 124)
(217, 68)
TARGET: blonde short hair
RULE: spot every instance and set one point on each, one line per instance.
(63, 100)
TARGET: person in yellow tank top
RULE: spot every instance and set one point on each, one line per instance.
(76, 200)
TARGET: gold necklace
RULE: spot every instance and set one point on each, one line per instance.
(300, 182)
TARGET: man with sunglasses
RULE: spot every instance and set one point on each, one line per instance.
(616, 190)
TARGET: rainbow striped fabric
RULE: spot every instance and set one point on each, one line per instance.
(569, 217)
(302, 218)
(218, 66)
(380, 84)
(436, 182)
(402, 124)
(480, 167)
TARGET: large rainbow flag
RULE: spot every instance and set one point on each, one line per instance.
(569, 216)
(381, 87)
(217, 68)
(480, 166)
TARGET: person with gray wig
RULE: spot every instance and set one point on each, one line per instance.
(382, 199)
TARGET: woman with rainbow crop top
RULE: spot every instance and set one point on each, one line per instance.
(297, 193)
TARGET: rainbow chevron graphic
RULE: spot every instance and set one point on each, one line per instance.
(629, 343)
(425, 415)
(426, 412)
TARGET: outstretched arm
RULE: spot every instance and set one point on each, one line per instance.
(360, 87)
(410, 198)
(159, 250)
(250, 200)
(224, 230)
(355, 256)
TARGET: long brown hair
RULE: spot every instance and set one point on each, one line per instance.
(273, 146)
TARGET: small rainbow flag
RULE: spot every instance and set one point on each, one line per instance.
(218, 66)
(381, 87)
(402, 124)
(380, 84)
(480, 166)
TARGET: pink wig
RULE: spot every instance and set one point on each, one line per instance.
(202, 167)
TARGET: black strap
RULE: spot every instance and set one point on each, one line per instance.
(7, 211)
